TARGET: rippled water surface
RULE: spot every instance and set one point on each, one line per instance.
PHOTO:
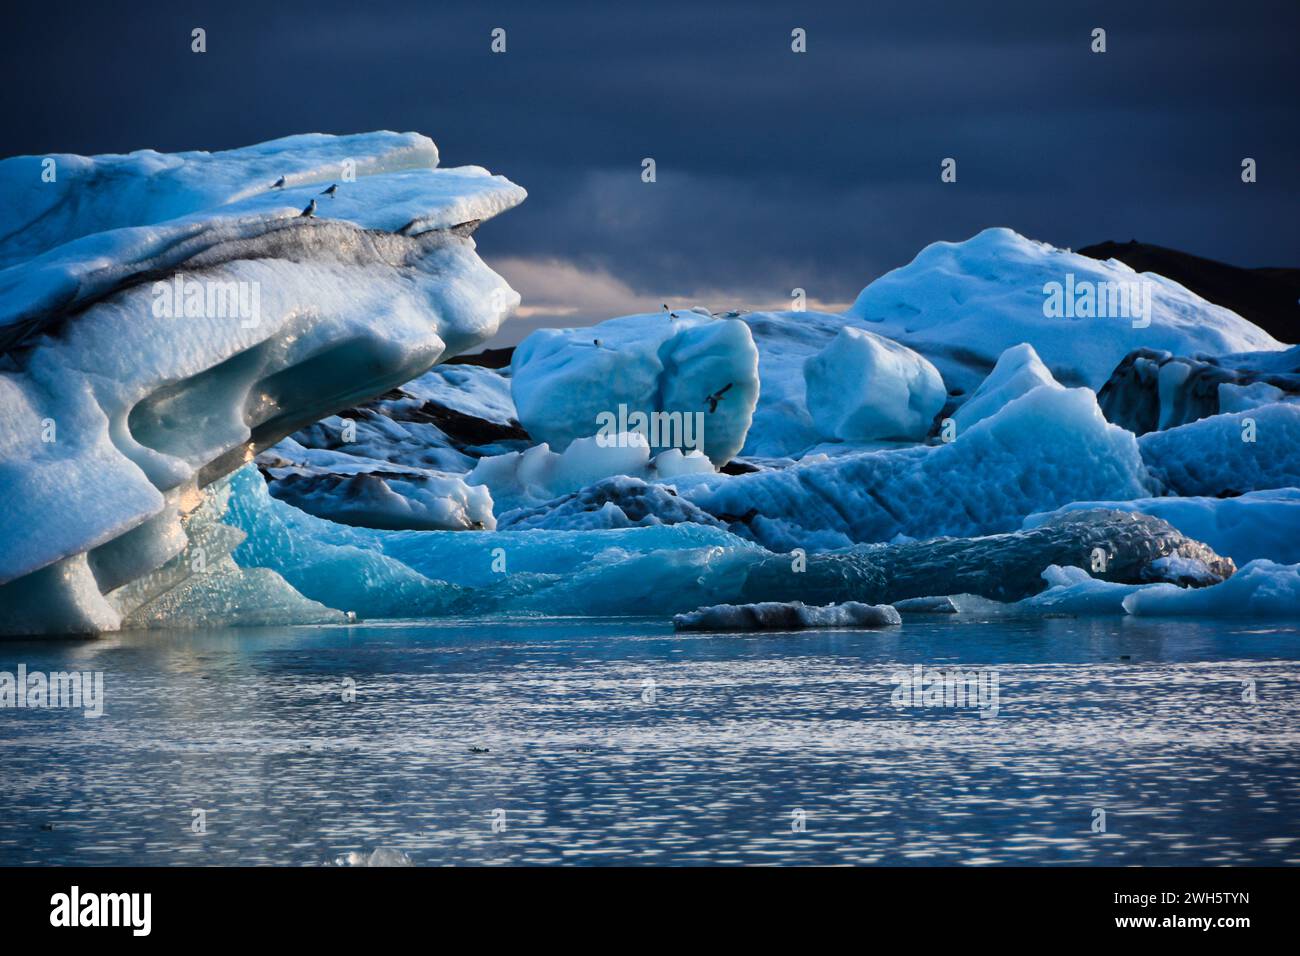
(620, 743)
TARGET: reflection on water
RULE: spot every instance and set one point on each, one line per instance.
(620, 743)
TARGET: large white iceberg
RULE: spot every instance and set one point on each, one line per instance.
(962, 304)
(148, 356)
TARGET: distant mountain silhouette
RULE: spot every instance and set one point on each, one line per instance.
(1268, 297)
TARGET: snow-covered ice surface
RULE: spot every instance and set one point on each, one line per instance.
(1041, 451)
(962, 304)
(1018, 371)
(572, 383)
(93, 194)
(113, 414)
(1228, 454)
(792, 616)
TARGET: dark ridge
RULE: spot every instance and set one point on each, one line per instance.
(488, 358)
(465, 430)
(1268, 297)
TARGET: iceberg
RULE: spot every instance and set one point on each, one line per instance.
(962, 304)
(794, 616)
(1262, 588)
(618, 502)
(682, 380)
(539, 475)
(863, 387)
(1258, 524)
(1227, 455)
(1153, 389)
(659, 569)
(1018, 372)
(1041, 451)
(1120, 548)
(152, 355)
(397, 501)
(782, 426)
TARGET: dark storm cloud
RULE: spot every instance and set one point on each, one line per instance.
(775, 170)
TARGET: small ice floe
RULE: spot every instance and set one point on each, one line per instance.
(792, 616)
(382, 856)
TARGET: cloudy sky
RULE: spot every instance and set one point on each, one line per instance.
(775, 170)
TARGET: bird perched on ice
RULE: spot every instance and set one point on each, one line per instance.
(671, 314)
(309, 211)
(717, 397)
(278, 184)
(331, 191)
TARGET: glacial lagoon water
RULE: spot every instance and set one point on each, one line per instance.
(618, 742)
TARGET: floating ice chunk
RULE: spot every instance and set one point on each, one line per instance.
(1039, 452)
(1228, 454)
(1074, 591)
(394, 501)
(961, 305)
(443, 421)
(1260, 589)
(1259, 524)
(863, 386)
(399, 574)
(383, 856)
(1122, 548)
(535, 476)
(471, 390)
(619, 502)
(775, 616)
(1018, 372)
(692, 379)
